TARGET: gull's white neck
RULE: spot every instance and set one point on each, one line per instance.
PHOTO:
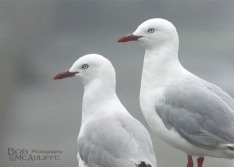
(96, 95)
(160, 65)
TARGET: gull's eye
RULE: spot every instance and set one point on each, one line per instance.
(151, 30)
(85, 66)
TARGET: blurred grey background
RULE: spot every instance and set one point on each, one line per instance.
(39, 38)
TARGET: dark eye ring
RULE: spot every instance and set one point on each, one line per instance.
(151, 30)
(85, 66)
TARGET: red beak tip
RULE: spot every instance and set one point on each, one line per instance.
(57, 77)
(64, 75)
(121, 40)
(128, 37)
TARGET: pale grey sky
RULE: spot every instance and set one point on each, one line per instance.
(41, 38)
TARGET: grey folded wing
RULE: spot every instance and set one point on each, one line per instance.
(201, 113)
(111, 143)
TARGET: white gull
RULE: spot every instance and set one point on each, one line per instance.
(184, 110)
(109, 136)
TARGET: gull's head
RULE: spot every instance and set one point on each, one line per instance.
(153, 33)
(91, 67)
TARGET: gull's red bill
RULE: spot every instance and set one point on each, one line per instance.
(128, 37)
(65, 74)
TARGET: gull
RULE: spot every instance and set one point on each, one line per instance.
(184, 110)
(109, 136)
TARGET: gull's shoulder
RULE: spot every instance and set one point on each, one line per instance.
(191, 81)
(118, 137)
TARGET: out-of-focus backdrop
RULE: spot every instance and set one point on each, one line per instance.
(39, 38)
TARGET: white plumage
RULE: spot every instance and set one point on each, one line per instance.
(184, 110)
(109, 136)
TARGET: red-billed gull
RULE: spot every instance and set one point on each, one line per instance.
(184, 110)
(109, 136)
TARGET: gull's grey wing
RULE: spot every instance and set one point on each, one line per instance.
(115, 142)
(198, 113)
(222, 94)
